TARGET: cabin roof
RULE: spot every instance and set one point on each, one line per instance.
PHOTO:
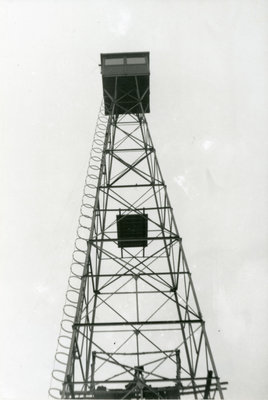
(126, 54)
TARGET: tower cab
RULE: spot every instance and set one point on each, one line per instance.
(125, 79)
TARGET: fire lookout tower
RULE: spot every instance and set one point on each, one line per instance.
(132, 326)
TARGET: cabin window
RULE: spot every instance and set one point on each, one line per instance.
(114, 61)
(136, 60)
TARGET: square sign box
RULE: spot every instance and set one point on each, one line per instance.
(132, 230)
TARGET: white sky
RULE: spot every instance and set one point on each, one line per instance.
(209, 125)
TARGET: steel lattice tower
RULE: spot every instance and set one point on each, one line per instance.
(132, 326)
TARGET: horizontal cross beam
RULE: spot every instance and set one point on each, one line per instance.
(181, 321)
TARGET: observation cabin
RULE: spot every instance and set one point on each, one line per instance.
(125, 79)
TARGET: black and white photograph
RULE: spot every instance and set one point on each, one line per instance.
(133, 207)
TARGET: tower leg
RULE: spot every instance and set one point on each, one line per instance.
(178, 374)
(208, 384)
(92, 386)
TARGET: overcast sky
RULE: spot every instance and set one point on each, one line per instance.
(209, 125)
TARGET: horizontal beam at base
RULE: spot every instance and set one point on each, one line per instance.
(149, 392)
(200, 378)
